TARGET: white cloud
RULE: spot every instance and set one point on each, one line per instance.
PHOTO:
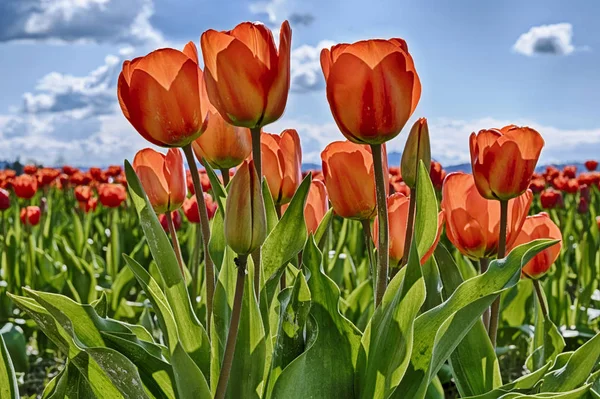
(306, 74)
(546, 39)
(276, 11)
(78, 21)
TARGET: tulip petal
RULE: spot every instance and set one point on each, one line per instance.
(163, 65)
(292, 163)
(280, 85)
(259, 39)
(175, 174)
(155, 190)
(191, 51)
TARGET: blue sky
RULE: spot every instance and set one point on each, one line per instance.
(482, 64)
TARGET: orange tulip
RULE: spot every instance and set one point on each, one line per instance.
(25, 186)
(473, 222)
(247, 78)
(349, 178)
(398, 206)
(316, 206)
(30, 216)
(372, 88)
(282, 164)
(536, 227)
(162, 177)
(222, 145)
(111, 195)
(504, 160)
(161, 96)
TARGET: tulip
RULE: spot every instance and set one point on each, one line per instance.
(473, 222)
(30, 216)
(437, 174)
(80, 179)
(111, 195)
(316, 205)
(537, 227)
(89, 205)
(69, 170)
(83, 193)
(47, 176)
(4, 199)
(25, 186)
(222, 145)
(372, 88)
(570, 171)
(30, 169)
(282, 164)
(504, 160)
(398, 209)
(551, 199)
(247, 78)
(591, 165)
(417, 149)
(537, 185)
(348, 170)
(245, 222)
(162, 218)
(204, 181)
(114, 170)
(162, 177)
(583, 207)
(190, 208)
(160, 94)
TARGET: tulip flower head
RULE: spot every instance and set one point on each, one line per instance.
(247, 77)
(83, 193)
(504, 160)
(30, 216)
(162, 177)
(111, 195)
(175, 215)
(591, 165)
(417, 149)
(30, 169)
(316, 206)
(372, 87)
(25, 186)
(89, 206)
(4, 199)
(282, 164)
(190, 208)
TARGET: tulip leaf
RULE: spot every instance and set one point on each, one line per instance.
(190, 381)
(8, 381)
(191, 333)
(270, 210)
(442, 328)
(426, 221)
(547, 341)
(387, 342)
(332, 344)
(474, 363)
(321, 231)
(288, 236)
(68, 384)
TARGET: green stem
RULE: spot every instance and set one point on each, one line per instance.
(383, 244)
(540, 296)
(175, 242)
(225, 176)
(282, 282)
(205, 236)
(483, 266)
(195, 264)
(495, 309)
(257, 157)
(410, 225)
(366, 225)
(236, 311)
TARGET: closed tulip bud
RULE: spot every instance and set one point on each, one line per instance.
(584, 191)
(372, 88)
(316, 206)
(473, 222)
(190, 208)
(583, 206)
(551, 199)
(245, 219)
(417, 149)
(4, 199)
(591, 165)
(111, 195)
(537, 227)
(162, 96)
(162, 177)
(25, 186)
(504, 160)
(570, 171)
(282, 164)
(247, 78)
(222, 145)
(175, 215)
(30, 169)
(30, 216)
(349, 178)
(398, 207)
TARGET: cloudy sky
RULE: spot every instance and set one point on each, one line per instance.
(482, 64)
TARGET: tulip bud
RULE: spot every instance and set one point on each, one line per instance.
(583, 206)
(30, 215)
(591, 165)
(4, 199)
(245, 218)
(417, 148)
(584, 192)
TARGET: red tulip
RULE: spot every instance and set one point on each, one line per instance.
(162, 178)
(30, 169)
(536, 227)
(4, 199)
(175, 215)
(504, 160)
(47, 176)
(247, 78)
(89, 205)
(591, 165)
(372, 88)
(69, 170)
(30, 216)
(114, 170)
(537, 185)
(83, 193)
(25, 186)
(551, 199)
(190, 208)
(570, 171)
(282, 164)
(161, 96)
(204, 181)
(111, 195)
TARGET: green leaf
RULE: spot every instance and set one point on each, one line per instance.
(326, 368)
(190, 381)
(426, 218)
(191, 333)
(288, 236)
(441, 329)
(68, 384)
(387, 341)
(547, 341)
(216, 245)
(474, 363)
(323, 227)
(433, 284)
(8, 381)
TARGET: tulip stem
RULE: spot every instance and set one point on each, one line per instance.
(282, 282)
(383, 244)
(540, 296)
(495, 309)
(225, 176)
(175, 242)
(366, 225)
(411, 222)
(257, 157)
(205, 236)
(240, 262)
(483, 266)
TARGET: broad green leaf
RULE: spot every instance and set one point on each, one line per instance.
(68, 384)
(190, 381)
(547, 341)
(441, 329)
(433, 284)
(323, 227)
(386, 345)
(326, 368)
(426, 219)
(359, 305)
(16, 344)
(8, 381)
(191, 333)
(474, 362)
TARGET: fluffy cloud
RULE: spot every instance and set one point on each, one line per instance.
(546, 39)
(276, 11)
(78, 20)
(306, 72)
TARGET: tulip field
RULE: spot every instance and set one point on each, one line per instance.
(213, 265)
